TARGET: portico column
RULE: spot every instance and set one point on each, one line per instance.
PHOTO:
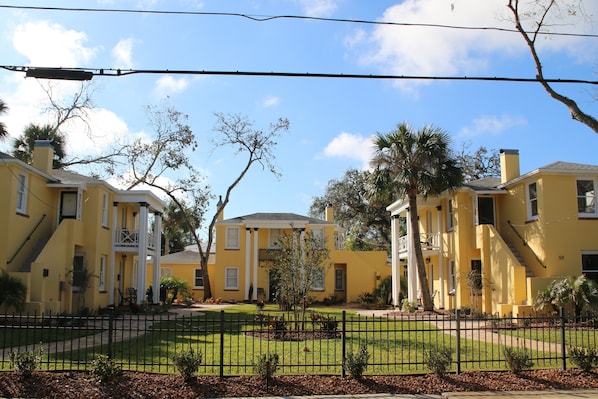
(440, 258)
(142, 251)
(247, 262)
(255, 262)
(411, 267)
(396, 275)
(112, 253)
(157, 255)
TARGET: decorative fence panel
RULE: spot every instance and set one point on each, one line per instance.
(231, 342)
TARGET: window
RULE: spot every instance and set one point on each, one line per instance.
(274, 238)
(198, 280)
(317, 237)
(102, 286)
(22, 193)
(589, 265)
(231, 278)
(586, 205)
(165, 272)
(105, 211)
(318, 280)
(232, 238)
(78, 272)
(449, 216)
(339, 279)
(452, 276)
(532, 201)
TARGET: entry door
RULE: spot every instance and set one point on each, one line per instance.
(68, 205)
(486, 211)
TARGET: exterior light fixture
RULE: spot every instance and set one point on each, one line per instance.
(58, 73)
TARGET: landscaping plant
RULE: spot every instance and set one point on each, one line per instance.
(517, 359)
(584, 358)
(25, 363)
(266, 365)
(187, 363)
(105, 368)
(356, 363)
(438, 359)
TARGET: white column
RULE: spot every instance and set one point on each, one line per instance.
(396, 273)
(255, 262)
(247, 262)
(142, 251)
(411, 267)
(440, 258)
(111, 280)
(157, 255)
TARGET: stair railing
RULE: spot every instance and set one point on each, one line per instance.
(26, 239)
(524, 242)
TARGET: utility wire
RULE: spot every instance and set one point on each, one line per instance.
(109, 72)
(266, 18)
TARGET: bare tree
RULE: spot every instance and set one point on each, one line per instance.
(536, 20)
(168, 151)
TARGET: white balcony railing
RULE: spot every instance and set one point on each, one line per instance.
(427, 240)
(127, 238)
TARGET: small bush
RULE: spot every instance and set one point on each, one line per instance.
(408, 306)
(584, 358)
(356, 363)
(517, 359)
(266, 365)
(105, 368)
(187, 363)
(438, 359)
(25, 363)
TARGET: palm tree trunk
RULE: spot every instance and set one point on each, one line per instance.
(426, 298)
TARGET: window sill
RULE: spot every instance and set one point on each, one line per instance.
(22, 213)
(231, 289)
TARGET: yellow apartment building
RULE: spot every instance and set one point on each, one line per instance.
(75, 241)
(521, 231)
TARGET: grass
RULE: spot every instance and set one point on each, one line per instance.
(395, 345)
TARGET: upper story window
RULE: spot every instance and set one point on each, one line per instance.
(274, 238)
(317, 236)
(586, 204)
(532, 201)
(450, 222)
(232, 238)
(105, 211)
(22, 187)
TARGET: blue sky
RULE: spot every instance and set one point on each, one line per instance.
(332, 120)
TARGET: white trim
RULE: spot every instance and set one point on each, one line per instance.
(592, 201)
(528, 201)
(228, 287)
(228, 242)
(22, 190)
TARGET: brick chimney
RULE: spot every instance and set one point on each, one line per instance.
(329, 213)
(43, 155)
(509, 165)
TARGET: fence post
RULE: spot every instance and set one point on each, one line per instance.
(110, 329)
(222, 344)
(458, 344)
(563, 349)
(343, 343)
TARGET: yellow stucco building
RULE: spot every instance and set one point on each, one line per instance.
(520, 231)
(245, 250)
(76, 242)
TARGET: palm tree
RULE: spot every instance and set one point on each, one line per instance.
(3, 131)
(419, 163)
(12, 291)
(23, 146)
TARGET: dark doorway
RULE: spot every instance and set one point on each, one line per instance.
(486, 210)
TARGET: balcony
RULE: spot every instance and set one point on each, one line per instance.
(429, 242)
(127, 240)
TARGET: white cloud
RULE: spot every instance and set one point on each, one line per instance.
(168, 85)
(416, 50)
(270, 101)
(51, 45)
(318, 8)
(490, 125)
(122, 53)
(351, 146)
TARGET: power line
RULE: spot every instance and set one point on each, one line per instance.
(266, 18)
(110, 72)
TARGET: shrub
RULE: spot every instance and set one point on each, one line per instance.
(438, 359)
(517, 359)
(356, 363)
(25, 363)
(408, 306)
(105, 368)
(187, 363)
(266, 365)
(584, 358)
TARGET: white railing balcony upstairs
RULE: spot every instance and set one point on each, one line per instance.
(128, 238)
(427, 240)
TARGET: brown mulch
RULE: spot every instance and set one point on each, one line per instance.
(144, 385)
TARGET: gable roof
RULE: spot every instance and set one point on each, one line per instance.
(556, 168)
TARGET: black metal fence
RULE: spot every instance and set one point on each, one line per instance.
(319, 343)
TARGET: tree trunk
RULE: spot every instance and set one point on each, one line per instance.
(207, 288)
(426, 298)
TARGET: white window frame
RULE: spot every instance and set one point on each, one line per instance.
(102, 283)
(340, 287)
(22, 189)
(319, 280)
(233, 242)
(195, 278)
(586, 197)
(165, 271)
(450, 221)
(452, 275)
(529, 200)
(274, 239)
(318, 236)
(231, 283)
(105, 210)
